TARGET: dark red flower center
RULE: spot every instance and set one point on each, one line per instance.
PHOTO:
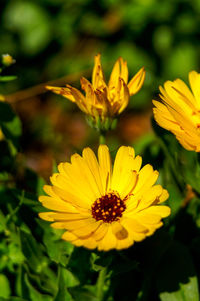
(108, 208)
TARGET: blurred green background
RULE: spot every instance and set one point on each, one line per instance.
(54, 38)
(51, 38)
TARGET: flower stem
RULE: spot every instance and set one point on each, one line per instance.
(171, 163)
(102, 137)
(100, 284)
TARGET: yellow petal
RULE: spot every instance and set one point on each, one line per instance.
(164, 118)
(139, 236)
(152, 228)
(108, 242)
(91, 99)
(147, 177)
(133, 225)
(92, 163)
(119, 231)
(69, 236)
(101, 231)
(125, 243)
(45, 216)
(81, 167)
(65, 92)
(105, 167)
(183, 93)
(150, 196)
(194, 79)
(131, 203)
(163, 211)
(124, 70)
(79, 99)
(131, 182)
(183, 118)
(60, 216)
(164, 196)
(89, 243)
(59, 225)
(123, 96)
(87, 230)
(147, 218)
(76, 226)
(137, 162)
(122, 171)
(136, 82)
(115, 74)
(175, 98)
(97, 76)
(56, 204)
(75, 200)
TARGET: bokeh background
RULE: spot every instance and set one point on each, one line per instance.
(56, 40)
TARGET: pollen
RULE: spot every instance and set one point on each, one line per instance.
(108, 208)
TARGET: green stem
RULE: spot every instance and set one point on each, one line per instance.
(100, 284)
(171, 162)
(102, 138)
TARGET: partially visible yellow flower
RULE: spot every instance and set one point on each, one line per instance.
(104, 207)
(180, 110)
(102, 100)
(1, 135)
(2, 98)
(7, 60)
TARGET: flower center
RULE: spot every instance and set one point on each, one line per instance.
(108, 208)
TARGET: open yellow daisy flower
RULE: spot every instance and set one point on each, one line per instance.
(180, 110)
(103, 100)
(101, 207)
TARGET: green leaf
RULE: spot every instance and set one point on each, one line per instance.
(63, 282)
(34, 294)
(12, 128)
(7, 78)
(190, 168)
(81, 258)
(6, 112)
(15, 254)
(32, 251)
(13, 299)
(4, 286)
(101, 260)
(176, 277)
(10, 125)
(57, 249)
(2, 222)
(40, 184)
(83, 294)
(20, 286)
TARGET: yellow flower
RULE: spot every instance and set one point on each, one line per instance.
(2, 98)
(7, 60)
(101, 207)
(103, 100)
(180, 110)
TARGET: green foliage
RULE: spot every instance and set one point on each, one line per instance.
(177, 281)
